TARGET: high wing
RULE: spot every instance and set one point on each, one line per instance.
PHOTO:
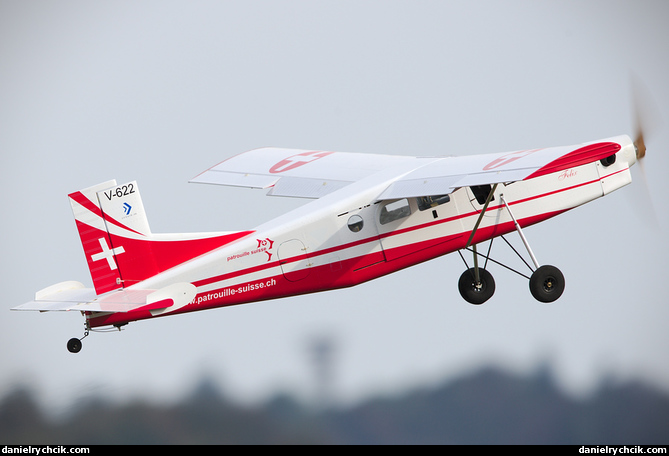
(298, 173)
(313, 174)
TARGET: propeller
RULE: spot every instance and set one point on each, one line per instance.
(646, 119)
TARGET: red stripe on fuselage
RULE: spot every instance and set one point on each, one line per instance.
(322, 278)
(338, 248)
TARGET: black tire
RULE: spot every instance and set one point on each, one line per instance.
(476, 293)
(547, 284)
(74, 345)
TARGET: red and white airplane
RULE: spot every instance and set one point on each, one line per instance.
(371, 215)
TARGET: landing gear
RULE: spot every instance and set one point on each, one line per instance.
(74, 345)
(476, 285)
(547, 283)
(476, 291)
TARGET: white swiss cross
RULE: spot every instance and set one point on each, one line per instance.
(107, 253)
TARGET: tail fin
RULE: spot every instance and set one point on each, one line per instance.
(118, 244)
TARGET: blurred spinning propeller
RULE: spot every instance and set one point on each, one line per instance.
(647, 121)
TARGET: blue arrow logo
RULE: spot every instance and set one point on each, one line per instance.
(127, 208)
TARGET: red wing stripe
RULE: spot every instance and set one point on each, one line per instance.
(578, 157)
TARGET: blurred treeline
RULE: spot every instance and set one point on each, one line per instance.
(487, 407)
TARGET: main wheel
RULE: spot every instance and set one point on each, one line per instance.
(476, 292)
(74, 345)
(547, 284)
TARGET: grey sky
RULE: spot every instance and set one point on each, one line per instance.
(159, 91)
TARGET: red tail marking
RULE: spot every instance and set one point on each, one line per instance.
(88, 204)
(144, 258)
(105, 274)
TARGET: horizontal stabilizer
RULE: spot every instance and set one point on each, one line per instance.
(73, 295)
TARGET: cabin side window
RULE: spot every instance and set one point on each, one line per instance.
(481, 193)
(355, 223)
(428, 202)
(394, 211)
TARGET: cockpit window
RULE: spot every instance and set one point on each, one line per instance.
(394, 211)
(428, 202)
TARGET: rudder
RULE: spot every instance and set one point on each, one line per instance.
(119, 247)
(95, 238)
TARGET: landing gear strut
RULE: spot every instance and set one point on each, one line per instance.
(74, 345)
(476, 285)
(546, 282)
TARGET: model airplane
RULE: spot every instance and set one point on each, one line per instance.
(371, 215)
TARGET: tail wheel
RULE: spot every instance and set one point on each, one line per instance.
(476, 292)
(547, 283)
(74, 345)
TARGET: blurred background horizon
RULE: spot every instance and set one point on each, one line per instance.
(159, 91)
(485, 406)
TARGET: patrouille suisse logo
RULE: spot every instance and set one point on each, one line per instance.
(264, 245)
(295, 161)
(508, 158)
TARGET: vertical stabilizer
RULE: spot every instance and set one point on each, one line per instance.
(119, 246)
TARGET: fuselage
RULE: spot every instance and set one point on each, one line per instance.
(348, 237)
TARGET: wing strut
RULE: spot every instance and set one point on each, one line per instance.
(478, 222)
(477, 276)
(520, 232)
